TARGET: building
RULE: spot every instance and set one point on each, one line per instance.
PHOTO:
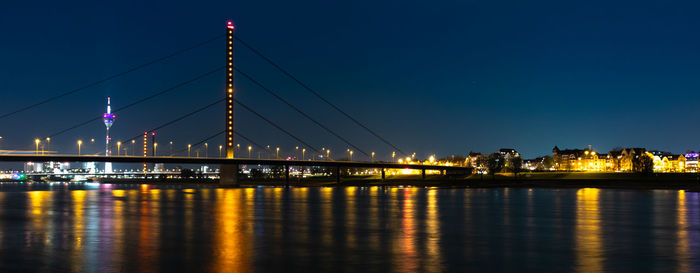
(691, 163)
(476, 160)
(537, 164)
(33, 167)
(579, 160)
(508, 153)
(613, 161)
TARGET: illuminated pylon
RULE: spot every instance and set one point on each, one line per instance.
(145, 150)
(229, 89)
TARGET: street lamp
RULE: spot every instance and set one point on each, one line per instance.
(189, 146)
(119, 146)
(250, 148)
(372, 156)
(206, 149)
(132, 146)
(303, 152)
(80, 143)
(220, 147)
(351, 155)
(171, 148)
(277, 153)
(393, 155)
(48, 143)
(328, 154)
(155, 148)
(37, 141)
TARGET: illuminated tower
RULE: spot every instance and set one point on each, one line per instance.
(108, 118)
(229, 89)
(228, 174)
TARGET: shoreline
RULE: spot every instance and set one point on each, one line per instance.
(666, 181)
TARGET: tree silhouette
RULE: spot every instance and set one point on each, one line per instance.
(495, 163)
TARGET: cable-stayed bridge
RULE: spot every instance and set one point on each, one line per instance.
(228, 158)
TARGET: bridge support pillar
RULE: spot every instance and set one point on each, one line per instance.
(423, 174)
(286, 176)
(228, 175)
(337, 175)
(383, 175)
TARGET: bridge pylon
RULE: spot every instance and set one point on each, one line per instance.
(228, 173)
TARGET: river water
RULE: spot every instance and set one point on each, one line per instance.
(63, 227)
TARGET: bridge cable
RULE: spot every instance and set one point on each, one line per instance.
(173, 121)
(162, 92)
(268, 60)
(276, 126)
(113, 76)
(300, 111)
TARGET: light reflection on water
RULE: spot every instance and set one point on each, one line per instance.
(143, 228)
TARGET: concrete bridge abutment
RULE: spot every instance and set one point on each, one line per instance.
(228, 175)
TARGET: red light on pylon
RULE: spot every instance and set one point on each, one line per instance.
(229, 24)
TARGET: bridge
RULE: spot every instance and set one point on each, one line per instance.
(229, 163)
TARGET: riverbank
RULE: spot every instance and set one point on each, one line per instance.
(679, 181)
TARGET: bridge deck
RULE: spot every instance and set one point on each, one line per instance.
(221, 161)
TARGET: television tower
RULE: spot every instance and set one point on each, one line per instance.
(108, 118)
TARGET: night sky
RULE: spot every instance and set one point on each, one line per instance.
(442, 77)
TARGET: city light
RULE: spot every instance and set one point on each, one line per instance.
(80, 143)
(37, 141)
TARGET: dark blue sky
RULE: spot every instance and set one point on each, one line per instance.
(442, 77)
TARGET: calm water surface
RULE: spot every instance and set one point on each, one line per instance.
(110, 228)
